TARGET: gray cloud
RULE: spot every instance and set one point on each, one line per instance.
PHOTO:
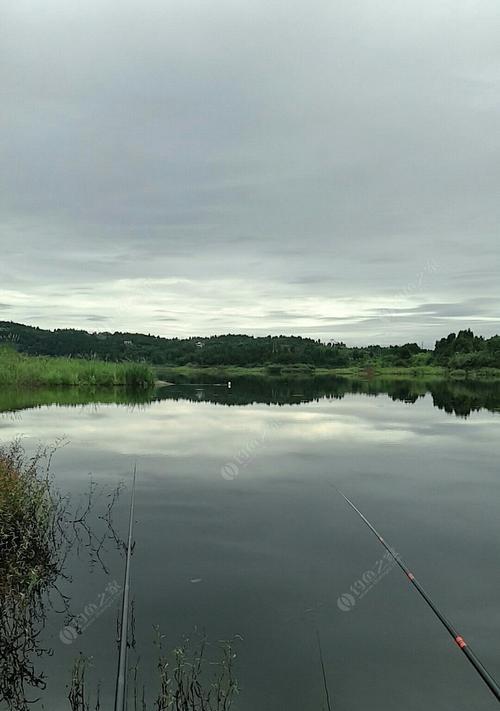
(94, 318)
(250, 159)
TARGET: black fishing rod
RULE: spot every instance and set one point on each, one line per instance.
(459, 640)
(121, 676)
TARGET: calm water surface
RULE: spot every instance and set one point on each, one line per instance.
(239, 531)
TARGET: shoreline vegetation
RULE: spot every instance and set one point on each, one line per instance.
(169, 375)
(35, 372)
(18, 369)
(37, 357)
(39, 528)
(28, 566)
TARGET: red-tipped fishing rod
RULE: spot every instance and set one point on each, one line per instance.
(459, 640)
(121, 675)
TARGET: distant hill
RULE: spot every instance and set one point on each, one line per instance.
(216, 350)
(462, 350)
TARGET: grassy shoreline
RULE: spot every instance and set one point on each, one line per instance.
(17, 369)
(196, 374)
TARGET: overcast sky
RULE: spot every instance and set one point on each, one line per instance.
(327, 168)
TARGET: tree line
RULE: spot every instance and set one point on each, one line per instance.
(458, 351)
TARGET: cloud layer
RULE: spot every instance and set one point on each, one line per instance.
(330, 169)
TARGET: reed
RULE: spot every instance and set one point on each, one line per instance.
(39, 527)
(17, 369)
(195, 676)
(27, 519)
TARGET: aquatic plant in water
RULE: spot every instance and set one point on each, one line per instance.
(196, 676)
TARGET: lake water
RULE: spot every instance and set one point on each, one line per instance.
(239, 531)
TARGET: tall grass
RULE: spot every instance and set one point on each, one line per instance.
(195, 676)
(38, 529)
(27, 519)
(32, 371)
